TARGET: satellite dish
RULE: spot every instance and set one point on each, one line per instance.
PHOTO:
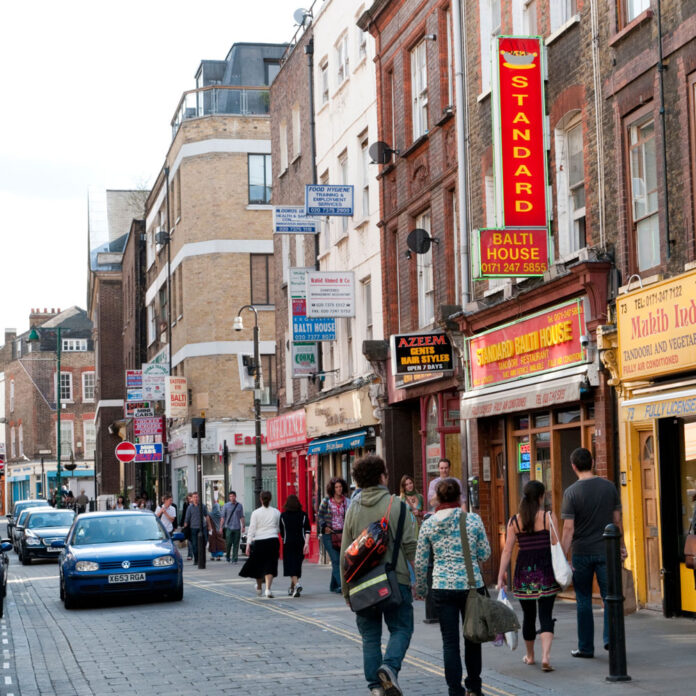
(418, 240)
(381, 153)
(300, 15)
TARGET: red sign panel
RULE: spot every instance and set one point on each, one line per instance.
(522, 131)
(288, 430)
(546, 341)
(147, 426)
(514, 252)
(125, 452)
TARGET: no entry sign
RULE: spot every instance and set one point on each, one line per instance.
(125, 452)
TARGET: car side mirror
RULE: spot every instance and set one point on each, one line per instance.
(58, 544)
(177, 536)
(6, 546)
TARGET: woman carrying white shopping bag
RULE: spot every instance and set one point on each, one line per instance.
(533, 583)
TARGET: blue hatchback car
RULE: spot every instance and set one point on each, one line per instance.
(119, 552)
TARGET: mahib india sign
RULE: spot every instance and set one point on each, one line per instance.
(421, 353)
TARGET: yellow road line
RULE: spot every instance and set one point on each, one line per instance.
(413, 661)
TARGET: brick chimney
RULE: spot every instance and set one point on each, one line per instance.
(10, 335)
(37, 317)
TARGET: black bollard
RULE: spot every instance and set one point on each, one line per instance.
(614, 602)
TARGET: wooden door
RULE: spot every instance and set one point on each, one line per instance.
(500, 520)
(650, 519)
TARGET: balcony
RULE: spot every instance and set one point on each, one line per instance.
(221, 100)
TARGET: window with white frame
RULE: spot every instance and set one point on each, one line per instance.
(260, 179)
(343, 179)
(67, 439)
(419, 90)
(296, 131)
(283, 146)
(151, 324)
(348, 328)
(560, 12)
(324, 81)
(367, 304)
(644, 201)
(489, 28)
(342, 59)
(529, 18)
(12, 395)
(13, 443)
(88, 383)
(18, 348)
(570, 184)
(361, 43)
(365, 174)
(489, 195)
(20, 435)
(90, 438)
(632, 8)
(426, 290)
(66, 390)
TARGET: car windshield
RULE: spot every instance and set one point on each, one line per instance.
(22, 517)
(30, 503)
(63, 518)
(117, 528)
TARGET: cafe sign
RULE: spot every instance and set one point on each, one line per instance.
(542, 342)
(657, 328)
(421, 353)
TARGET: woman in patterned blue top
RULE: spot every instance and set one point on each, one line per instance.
(440, 536)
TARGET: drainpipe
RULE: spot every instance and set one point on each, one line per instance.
(660, 73)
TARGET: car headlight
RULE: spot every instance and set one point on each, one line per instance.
(163, 561)
(32, 541)
(85, 566)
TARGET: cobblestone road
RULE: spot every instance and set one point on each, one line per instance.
(222, 639)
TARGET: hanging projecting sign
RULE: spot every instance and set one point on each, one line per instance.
(138, 409)
(305, 358)
(522, 153)
(176, 397)
(514, 252)
(305, 328)
(154, 375)
(149, 453)
(421, 353)
(328, 199)
(134, 379)
(291, 219)
(147, 426)
(330, 294)
(133, 395)
(544, 341)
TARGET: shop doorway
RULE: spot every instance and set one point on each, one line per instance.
(501, 512)
(649, 505)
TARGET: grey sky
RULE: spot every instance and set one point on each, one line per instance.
(88, 91)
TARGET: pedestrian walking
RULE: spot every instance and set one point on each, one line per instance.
(186, 530)
(331, 518)
(294, 531)
(534, 583)
(216, 542)
(370, 505)
(441, 536)
(412, 497)
(589, 505)
(263, 545)
(81, 502)
(120, 503)
(443, 466)
(166, 513)
(232, 525)
(196, 525)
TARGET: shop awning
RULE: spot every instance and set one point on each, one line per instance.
(18, 477)
(665, 404)
(526, 394)
(337, 444)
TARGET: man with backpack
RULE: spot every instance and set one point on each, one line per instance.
(370, 505)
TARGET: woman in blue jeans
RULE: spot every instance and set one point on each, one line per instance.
(440, 536)
(331, 518)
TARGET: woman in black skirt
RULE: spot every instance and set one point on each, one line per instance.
(263, 545)
(294, 531)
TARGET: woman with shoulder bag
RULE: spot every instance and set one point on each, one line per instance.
(331, 518)
(441, 536)
(534, 583)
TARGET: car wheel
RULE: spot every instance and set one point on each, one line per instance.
(25, 558)
(178, 594)
(61, 591)
(68, 599)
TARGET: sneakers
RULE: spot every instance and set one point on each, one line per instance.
(389, 683)
(291, 591)
(269, 594)
(297, 590)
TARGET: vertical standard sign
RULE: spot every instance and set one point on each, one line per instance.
(522, 151)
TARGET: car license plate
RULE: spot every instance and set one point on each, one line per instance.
(127, 577)
(53, 549)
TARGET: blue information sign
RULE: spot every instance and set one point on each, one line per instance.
(151, 452)
(306, 329)
(328, 199)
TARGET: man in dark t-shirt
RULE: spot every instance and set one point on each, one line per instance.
(589, 505)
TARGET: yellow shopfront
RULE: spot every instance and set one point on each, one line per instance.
(653, 360)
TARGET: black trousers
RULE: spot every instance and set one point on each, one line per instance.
(529, 611)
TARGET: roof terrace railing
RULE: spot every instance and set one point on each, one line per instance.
(221, 100)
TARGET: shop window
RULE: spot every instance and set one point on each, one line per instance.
(570, 416)
(521, 422)
(688, 483)
(542, 420)
(542, 465)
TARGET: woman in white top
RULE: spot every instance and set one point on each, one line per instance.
(263, 545)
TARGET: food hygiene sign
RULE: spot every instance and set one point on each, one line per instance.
(545, 341)
(421, 353)
(520, 246)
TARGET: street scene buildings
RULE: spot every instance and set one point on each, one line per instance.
(426, 230)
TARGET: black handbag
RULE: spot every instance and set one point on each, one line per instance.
(378, 590)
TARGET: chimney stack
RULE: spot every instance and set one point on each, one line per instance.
(37, 317)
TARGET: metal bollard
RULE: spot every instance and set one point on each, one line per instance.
(614, 602)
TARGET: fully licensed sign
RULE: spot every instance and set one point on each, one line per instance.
(513, 252)
(328, 199)
(544, 341)
(151, 452)
(421, 353)
(657, 328)
(291, 219)
(305, 328)
(330, 294)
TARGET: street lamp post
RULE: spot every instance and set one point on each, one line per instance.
(238, 326)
